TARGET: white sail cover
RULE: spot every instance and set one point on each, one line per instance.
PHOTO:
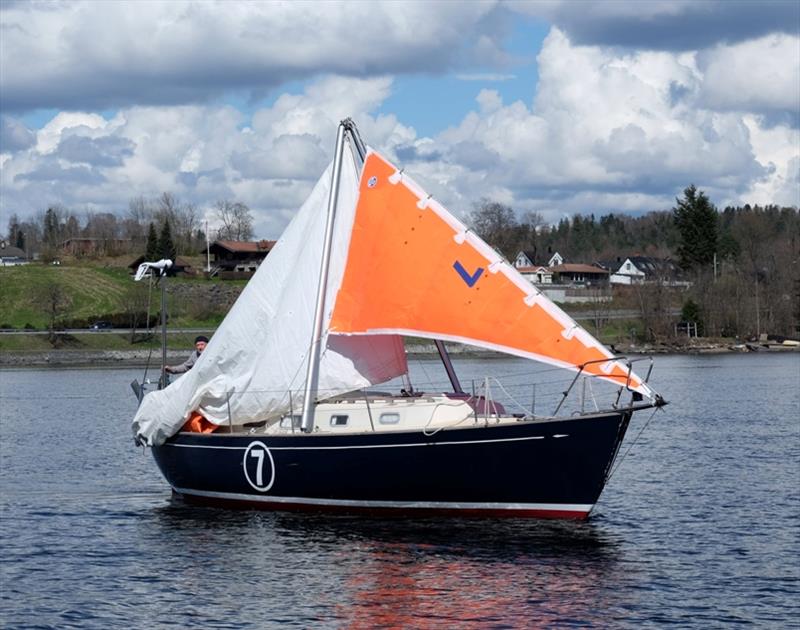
(258, 354)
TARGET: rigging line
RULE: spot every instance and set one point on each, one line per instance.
(509, 396)
(149, 304)
(621, 459)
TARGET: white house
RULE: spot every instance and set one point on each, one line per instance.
(528, 259)
(537, 274)
(11, 256)
(641, 269)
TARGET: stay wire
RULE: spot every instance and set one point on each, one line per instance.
(621, 459)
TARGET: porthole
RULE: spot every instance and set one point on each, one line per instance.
(390, 418)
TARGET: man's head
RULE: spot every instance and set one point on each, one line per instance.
(200, 343)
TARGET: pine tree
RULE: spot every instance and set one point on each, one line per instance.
(166, 246)
(51, 228)
(152, 250)
(696, 219)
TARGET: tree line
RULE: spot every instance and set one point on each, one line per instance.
(741, 265)
(163, 225)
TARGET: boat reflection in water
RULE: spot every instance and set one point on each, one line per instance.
(475, 574)
(364, 572)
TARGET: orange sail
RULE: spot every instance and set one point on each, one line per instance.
(414, 269)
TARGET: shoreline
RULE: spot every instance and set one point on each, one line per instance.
(61, 358)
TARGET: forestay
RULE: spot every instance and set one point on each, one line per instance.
(257, 355)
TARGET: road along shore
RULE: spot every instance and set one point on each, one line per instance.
(74, 358)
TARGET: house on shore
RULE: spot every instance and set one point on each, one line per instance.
(579, 274)
(238, 259)
(527, 258)
(11, 256)
(645, 269)
(536, 275)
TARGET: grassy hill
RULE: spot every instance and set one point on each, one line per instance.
(104, 290)
(90, 291)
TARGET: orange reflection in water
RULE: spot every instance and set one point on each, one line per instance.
(421, 586)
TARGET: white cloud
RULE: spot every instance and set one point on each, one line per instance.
(609, 130)
(96, 55)
(619, 131)
(758, 75)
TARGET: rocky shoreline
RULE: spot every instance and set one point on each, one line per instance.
(66, 358)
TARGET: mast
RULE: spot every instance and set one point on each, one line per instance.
(312, 371)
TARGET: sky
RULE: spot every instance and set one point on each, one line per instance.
(560, 107)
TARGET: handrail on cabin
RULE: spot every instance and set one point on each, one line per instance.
(629, 363)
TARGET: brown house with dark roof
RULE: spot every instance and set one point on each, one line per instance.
(235, 259)
(575, 273)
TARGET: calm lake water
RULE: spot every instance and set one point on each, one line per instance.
(699, 526)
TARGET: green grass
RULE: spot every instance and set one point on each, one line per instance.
(92, 292)
(92, 341)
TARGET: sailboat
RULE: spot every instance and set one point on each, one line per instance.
(281, 411)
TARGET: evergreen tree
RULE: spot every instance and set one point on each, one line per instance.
(151, 252)
(166, 246)
(51, 228)
(696, 219)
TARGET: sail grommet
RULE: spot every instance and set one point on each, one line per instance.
(372, 182)
(396, 177)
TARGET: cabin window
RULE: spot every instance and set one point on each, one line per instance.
(288, 422)
(390, 418)
(338, 421)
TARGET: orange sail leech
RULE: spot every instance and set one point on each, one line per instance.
(426, 276)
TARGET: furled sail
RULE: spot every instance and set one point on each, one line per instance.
(414, 269)
(254, 365)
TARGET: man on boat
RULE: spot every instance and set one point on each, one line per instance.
(199, 345)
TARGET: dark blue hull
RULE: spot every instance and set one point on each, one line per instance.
(543, 469)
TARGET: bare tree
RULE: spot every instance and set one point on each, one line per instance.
(53, 300)
(496, 224)
(135, 303)
(237, 222)
(182, 218)
(601, 307)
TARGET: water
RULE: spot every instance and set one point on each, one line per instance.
(698, 527)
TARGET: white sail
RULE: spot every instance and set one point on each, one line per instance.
(254, 366)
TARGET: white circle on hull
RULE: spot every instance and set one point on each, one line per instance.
(254, 458)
